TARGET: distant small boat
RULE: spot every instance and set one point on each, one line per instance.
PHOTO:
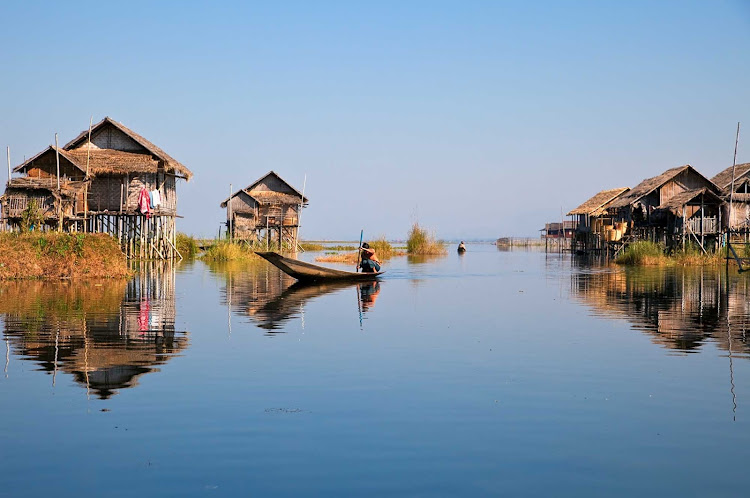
(308, 272)
(461, 248)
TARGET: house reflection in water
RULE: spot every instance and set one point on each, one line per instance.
(682, 309)
(106, 334)
(270, 298)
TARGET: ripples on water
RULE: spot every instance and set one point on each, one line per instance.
(493, 373)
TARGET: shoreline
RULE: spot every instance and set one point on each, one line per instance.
(60, 256)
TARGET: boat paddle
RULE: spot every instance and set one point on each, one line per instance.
(359, 249)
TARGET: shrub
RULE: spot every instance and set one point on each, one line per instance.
(187, 245)
(31, 217)
(383, 249)
(420, 241)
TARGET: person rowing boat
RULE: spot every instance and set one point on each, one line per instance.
(369, 261)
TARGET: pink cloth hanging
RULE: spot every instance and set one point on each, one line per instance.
(144, 202)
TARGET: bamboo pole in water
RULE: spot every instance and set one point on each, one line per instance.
(731, 193)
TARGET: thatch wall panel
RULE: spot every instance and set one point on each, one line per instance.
(111, 138)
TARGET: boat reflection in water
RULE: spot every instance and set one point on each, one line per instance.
(270, 298)
(104, 333)
(683, 309)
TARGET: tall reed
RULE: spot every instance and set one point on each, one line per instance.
(227, 251)
(420, 241)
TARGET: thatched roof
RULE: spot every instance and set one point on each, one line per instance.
(738, 197)
(677, 201)
(109, 161)
(241, 191)
(594, 205)
(724, 179)
(650, 184)
(266, 197)
(51, 149)
(170, 163)
(269, 196)
(251, 188)
(67, 187)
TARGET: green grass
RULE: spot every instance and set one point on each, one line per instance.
(227, 251)
(311, 246)
(383, 248)
(421, 242)
(187, 245)
(651, 254)
(642, 254)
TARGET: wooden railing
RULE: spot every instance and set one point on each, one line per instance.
(710, 225)
(17, 204)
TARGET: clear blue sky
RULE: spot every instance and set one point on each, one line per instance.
(479, 119)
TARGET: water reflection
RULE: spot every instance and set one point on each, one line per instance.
(105, 334)
(270, 298)
(681, 309)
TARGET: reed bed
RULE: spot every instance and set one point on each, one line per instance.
(187, 245)
(383, 250)
(651, 254)
(311, 246)
(227, 251)
(421, 242)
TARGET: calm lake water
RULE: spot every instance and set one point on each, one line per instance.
(488, 374)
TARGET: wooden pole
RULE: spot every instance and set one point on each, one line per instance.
(57, 159)
(8, 151)
(731, 191)
(359, 249)
(299, 213)
(88, 148)
(231, 232)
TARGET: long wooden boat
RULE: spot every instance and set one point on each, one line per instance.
(308, 272)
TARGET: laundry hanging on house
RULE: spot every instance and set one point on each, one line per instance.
(144, 202)
(155, 198)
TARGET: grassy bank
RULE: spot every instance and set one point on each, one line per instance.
(652, 254)
(421, 242)
(60, 255)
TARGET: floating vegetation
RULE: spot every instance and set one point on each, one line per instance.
(420, 241)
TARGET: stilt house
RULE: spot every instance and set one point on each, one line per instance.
(679, 205)
(739, 217)
(593, 223)
(97, 188)
(268, 209)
